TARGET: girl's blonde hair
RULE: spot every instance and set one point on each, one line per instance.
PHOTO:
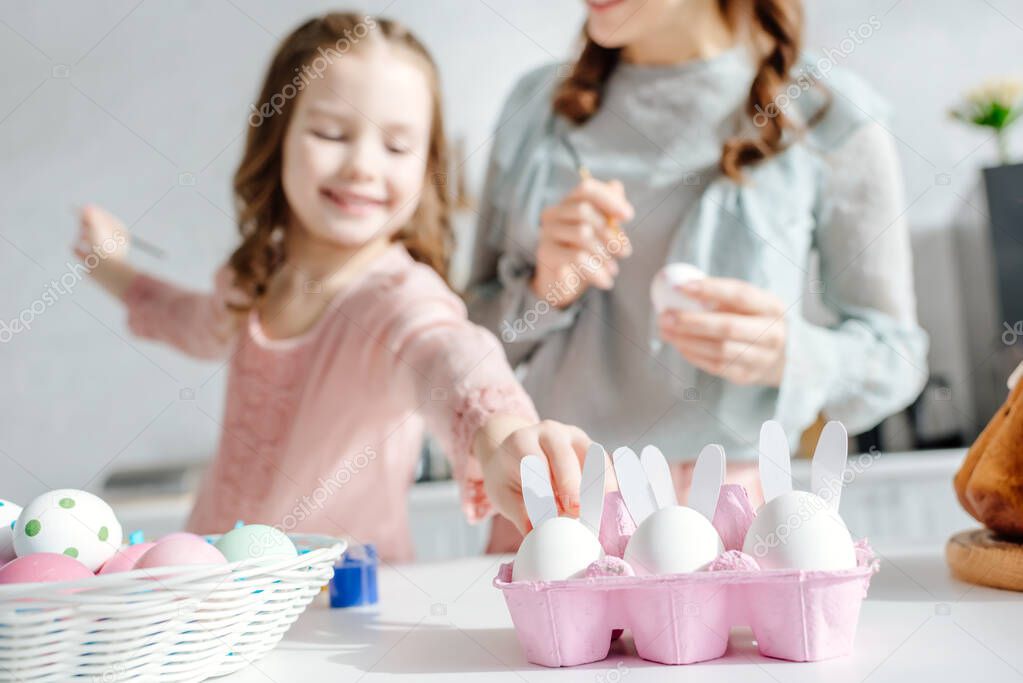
(263, 212)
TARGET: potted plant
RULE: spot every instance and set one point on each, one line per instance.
(997, 105)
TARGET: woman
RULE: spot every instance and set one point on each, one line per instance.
(674, 107)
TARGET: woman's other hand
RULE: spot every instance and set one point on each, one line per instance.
(741, 337)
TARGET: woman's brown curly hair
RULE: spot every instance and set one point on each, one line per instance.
(263, 212)
(778, 28)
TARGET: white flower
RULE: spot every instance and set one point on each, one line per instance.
(1006, 92)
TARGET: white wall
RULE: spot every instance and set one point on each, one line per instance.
(128, 103)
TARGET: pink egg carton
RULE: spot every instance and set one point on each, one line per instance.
(795, 615)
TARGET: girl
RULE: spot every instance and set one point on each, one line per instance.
(340, 334)
(711, 138)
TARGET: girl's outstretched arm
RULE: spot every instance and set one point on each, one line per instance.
(199, 324)
(475, 407)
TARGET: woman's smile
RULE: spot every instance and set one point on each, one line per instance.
(602, 5)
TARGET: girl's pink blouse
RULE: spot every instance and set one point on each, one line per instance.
(321, 433)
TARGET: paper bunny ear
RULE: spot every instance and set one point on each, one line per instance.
(632, 483)
(829, 463)
(708, 476)
(775, 461)
(658, 475)
(537, 492)
(591, 488)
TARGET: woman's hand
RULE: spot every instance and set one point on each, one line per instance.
(741, 338)
(578, 246)
(502, 443)
(102, 245)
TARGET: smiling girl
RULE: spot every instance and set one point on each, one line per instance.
(341, 338)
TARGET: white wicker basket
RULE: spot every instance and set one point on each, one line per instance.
(166, 624)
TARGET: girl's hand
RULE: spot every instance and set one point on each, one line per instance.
(504, 440)
(102, 246)
(578, 247)
(102, 234)
(742, 338)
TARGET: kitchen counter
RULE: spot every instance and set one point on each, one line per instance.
(445, 621)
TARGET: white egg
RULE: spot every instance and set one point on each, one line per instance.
(8, 514)
(560, 548)
(68, 521)
(662, 289)
(673, 540)
(798, 530)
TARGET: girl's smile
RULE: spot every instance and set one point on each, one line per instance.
(354, 203)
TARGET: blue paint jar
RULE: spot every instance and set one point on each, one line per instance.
(355, 577)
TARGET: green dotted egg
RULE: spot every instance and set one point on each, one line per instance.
(72, 522)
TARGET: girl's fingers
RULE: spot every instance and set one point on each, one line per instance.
(608, 199)
(565, 465)
(580, 441)
(516, 512)
(734, 295)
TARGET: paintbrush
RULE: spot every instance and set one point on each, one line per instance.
(584, 174)
(135, 241)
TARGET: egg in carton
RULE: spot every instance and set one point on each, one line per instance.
(801, 529)
(796, 588)
(560, 547)
(670, 538)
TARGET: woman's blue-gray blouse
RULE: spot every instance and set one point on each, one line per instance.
(833, 198)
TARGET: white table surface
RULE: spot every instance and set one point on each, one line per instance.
(446, 622)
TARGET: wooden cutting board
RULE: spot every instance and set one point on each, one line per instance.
(980, 556)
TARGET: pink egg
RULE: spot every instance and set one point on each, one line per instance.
(180, 549)
(43, 568)
(124, 559)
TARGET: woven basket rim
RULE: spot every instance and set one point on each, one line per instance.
(167, 578)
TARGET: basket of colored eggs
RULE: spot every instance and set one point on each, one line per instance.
(75, 602)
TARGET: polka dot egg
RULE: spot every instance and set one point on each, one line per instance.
(69, 522)
(8, 515)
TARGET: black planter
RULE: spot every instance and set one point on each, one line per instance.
(1004, 187)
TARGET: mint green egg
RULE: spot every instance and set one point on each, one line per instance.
(255, 541)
